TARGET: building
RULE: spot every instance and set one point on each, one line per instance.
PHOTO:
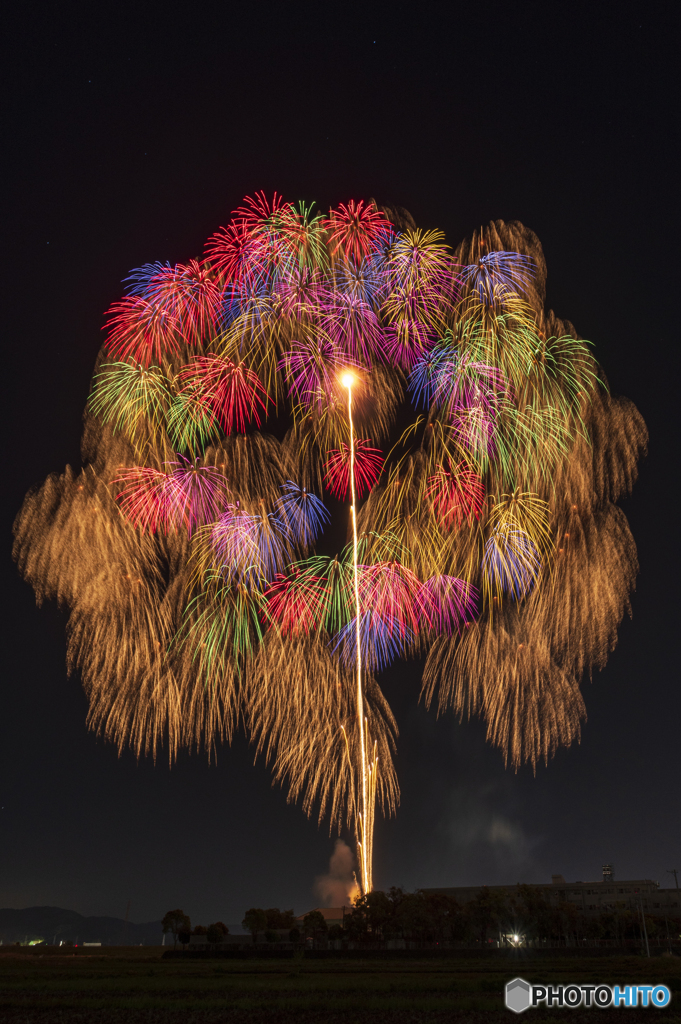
(590, 897)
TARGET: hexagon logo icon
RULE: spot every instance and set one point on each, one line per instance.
(518, 995)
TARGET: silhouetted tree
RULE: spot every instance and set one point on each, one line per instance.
(412, 916)
(373, 913)
(175, 921)
(254, 921)
(280, 918)
(216, 932)
(314, 924)
(444, 914)
(486, 910)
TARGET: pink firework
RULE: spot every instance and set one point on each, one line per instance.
(393, 594)
(142, 330)
(368, 466)
(355, 230)
(312, 366)
(353, 326)
(450, 603)
(186, 495)
(393, 606)
(235, 542)
(464, 384)
(301, 295)
(195, 495)
(233, 392)
(456, 496)
(406, 341)
(474, 428)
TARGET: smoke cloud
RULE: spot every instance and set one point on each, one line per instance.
(339, 887)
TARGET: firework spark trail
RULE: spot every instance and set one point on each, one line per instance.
(488, 539)
(366, 811)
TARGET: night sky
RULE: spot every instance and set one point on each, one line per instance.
(130, 133)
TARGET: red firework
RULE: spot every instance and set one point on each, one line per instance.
(186, 495)
(356, 229)
(456, 497)
(252, 244)
(228, 249)
(142, 498)
(257, 212)
(189, 294)
(142, 330)
(368, 466)
(233, 391)
(297, 603)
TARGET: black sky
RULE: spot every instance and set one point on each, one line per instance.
(130, 132)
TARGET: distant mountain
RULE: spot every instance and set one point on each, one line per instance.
(56, 925)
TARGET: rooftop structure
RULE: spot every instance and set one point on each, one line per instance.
(590, 897)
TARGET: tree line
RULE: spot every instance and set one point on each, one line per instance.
(524, 911)
(424, 917)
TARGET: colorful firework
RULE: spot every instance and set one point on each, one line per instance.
(487, 540)
(498, 275)
(311, 368)
(356, 230)
(232, 392)
(368, 466)
(132, 398)
(142, 330)
(302, 512)
(246, 547)
(455, 496)
(184, 495)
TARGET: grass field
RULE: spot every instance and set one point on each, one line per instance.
(137, 985)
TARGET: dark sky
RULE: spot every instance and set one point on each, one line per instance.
(130, 132)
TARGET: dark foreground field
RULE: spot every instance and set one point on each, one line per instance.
(136, 986)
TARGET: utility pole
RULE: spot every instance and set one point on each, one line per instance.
(675, 873)
(645, 930)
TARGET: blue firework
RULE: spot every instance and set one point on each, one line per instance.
(498, 275)
(302, 513)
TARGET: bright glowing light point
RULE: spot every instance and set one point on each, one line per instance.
(348, 379)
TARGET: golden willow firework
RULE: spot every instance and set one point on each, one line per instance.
(486, 538)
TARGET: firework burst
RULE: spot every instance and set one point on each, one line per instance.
(487, 540)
